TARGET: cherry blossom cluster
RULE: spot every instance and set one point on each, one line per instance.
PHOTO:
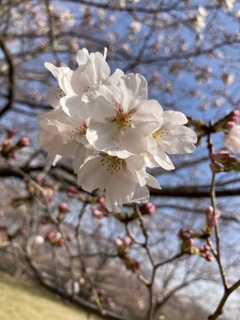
(111, 129)
(123, 246)
(187, 237)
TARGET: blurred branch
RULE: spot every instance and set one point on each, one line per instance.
(62, 293)
(11, 77)
(8, 171)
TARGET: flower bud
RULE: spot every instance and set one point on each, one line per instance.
(98, 214)
(63, 207)
(128, 241)
(23, 142)
(69, 238)
(209, 257)
(51, 235)
(101, 292)
(119, 242)
(10, 133)
(38, 240)
(148, 208)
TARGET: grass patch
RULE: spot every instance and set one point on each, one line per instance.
(23, 301)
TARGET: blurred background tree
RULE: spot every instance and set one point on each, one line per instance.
(139, 264)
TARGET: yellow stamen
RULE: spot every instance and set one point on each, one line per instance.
(160, 134)
(113, 164)
(122, 119)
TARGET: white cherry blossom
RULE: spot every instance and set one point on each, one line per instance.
(118, 177)
(121, 117)
(61, 135)
(110, 129)
(92, 70)
(172, 137)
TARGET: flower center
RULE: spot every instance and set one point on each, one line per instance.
(160, 134)
(113, 164)
(91, 87)
(59, 93)
(122, 119)
(78, 133)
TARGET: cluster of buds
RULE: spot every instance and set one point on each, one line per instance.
(146, 209)
(33, 191)
(55, 239)
(224, 162)
(73, 192)
(6, 236)
(59, 217)
(8, 148)
(104, 299)
(62, 210)
(187, 236)
(100, 211)
(123, 245)
(228, 122)
(205, 252)
(231, 120)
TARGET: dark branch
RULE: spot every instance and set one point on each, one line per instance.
(11, 79)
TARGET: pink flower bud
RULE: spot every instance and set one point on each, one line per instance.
(51, 235)
(88, 270)
(110, 302)
(211, 219)
(209, 257)
(215, 168)
(148, 208)
(128, 241)
(119, 242)
(220, 156)
(23, 142)
(97, 214)
(209, 211)
(48, 192)
(58, 236)
(69, 238)
(63, 207)
(7, 143)
(207, 248)
(101, 292)
(190, 242)
(230, 125)
(2, 213)
(234, 116)
(11, 133)
(102, 202)
(73, 189)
